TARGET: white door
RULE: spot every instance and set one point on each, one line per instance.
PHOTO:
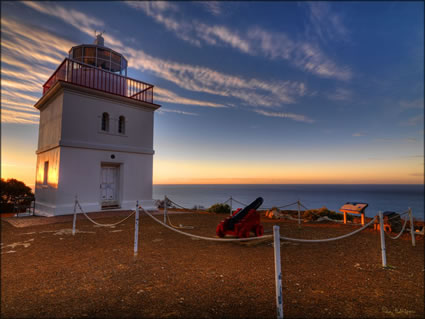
(109, 185)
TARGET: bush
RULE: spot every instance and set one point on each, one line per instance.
(219, 209)
(314, 214)
(160, 203)
(14, 192)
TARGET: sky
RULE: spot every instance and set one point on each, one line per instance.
(251, 92)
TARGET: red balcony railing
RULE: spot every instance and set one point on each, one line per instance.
(92, 77)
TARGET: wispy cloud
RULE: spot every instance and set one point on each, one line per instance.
(14, 116)
(417, 174)
(167, 96)
(291, 116)
(194, 78)
(413, 121)
(359, 134)
(164, 110)
(47, 54)
(23, 74)
(202, 79)
(213, 7)
(255, 41)
(325, 23)
(340, 94)
(412, 104)
(402, 140)
(77, 19)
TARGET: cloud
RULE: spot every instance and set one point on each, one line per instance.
(167, 96)
(48, 51)
(202, 79)
(340, 94)
(213, 7)
(359, 134)
(194, 78)
(412, 104)
(73, 17)
(417, 174)
(324, 23)
(413, 121)
(256, 41)
(292, 116)
(162, 110)
(13, 116)
(402, 140)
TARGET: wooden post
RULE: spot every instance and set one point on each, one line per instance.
(362, 219)
(299, 213)
(136, 230)
(165, 209)
(345, 217)
(74, 221)
(383, 250)
(278, 272)
(412, 228)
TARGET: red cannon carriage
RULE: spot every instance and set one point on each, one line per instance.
(242, 222)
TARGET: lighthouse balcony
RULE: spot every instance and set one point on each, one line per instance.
(86, 75)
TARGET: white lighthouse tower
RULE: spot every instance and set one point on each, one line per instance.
(95, 136)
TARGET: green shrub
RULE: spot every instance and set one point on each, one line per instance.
(219, 209)
(314, 214)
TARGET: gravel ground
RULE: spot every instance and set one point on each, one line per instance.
(47, 272)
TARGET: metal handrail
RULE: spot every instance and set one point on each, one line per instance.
(99, 79)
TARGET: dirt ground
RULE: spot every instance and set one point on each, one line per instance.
(47, 272)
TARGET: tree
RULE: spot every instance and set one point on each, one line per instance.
(14, 192)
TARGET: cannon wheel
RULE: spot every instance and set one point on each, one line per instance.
(259, 230)
(220, 231)
(243, 233)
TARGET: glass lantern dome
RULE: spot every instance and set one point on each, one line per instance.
(99, 56)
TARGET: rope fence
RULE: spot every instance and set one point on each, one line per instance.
(401, 232)
(328, 239)
(276, 237)
(103, 225)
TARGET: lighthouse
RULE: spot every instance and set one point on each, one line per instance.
(95, 135)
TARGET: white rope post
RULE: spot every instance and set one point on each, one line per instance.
(383, 250)
(74, 222)
(136, 230)
(165, 209)
(412, 228)
(231, 205)
(278, 272)
(299, 213)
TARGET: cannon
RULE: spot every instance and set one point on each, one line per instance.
(242, 222)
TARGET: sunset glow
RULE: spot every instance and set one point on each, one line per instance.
(251, 93)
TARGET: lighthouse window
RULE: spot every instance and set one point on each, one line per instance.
(103, 54)
(115, 67)
(121, 125)
(90, 61)
(78, 52)
(45, 172)
(115, 58)
(105, 122)
(103, 64)
(90, 52)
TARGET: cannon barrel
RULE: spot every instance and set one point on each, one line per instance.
(242, 213)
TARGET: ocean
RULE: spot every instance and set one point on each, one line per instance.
(395, 198)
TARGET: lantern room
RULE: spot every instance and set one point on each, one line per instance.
(99, 56)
